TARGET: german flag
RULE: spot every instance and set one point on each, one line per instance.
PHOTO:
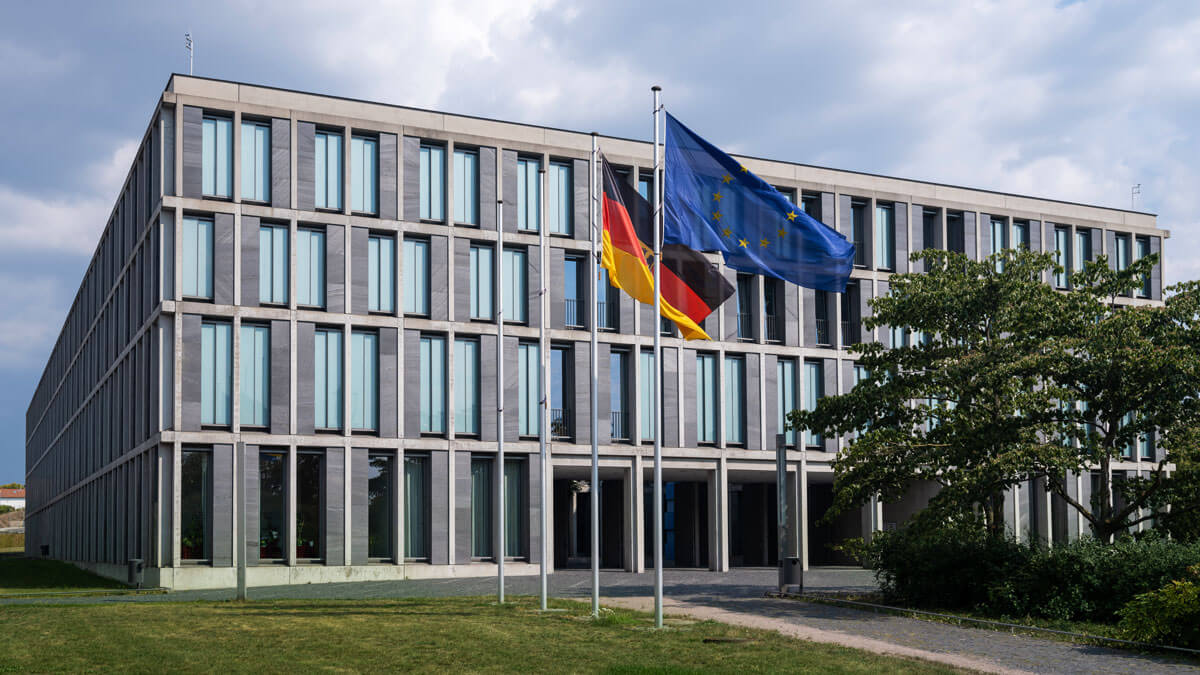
(691, 285)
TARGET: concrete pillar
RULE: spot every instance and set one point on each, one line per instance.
(634, 530)
(718, 517)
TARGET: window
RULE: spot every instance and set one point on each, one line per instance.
(606, 302)
(618, 364)
(310, 503)
(256, 161)
(481, 507)
(561, 392)
(706, 398)
(328, 176)
(466, 386)
(364, 381)
(1122, 253)
(327, 374)
(1143, 250)
(858, 232)
(573, 291)
(381, 526)
(851, 322)
(1145, 446)
(1083, 248)
(416, 277)
(216, 370)
(272, 505)
(433, 189)
(515, 508)
(645, 187)
(273, 264)
(381, 273)
(745, 301)
(255, 366)
(559, 192)
(528, 389)
(1062, 255)
(885, 237)
(931, 228)
(814, 389)
(416, 507)
(466, 187)
(433, 385)
(195, 505)
(1019, 234)
(735, 395)
(197, 258)
(898, 336)
(811, 203)
(310, 268)
(785, 394)
(956, 236)
(364, 174)
(216, 159)
(821, 311)
(516, 296)
(481, 282)
(646, 393)
(787, 193)
(529, 203)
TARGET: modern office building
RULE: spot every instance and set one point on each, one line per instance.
(296, 295)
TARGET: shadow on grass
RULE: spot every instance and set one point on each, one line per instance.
(19, 575)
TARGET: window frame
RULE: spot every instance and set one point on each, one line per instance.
(524, 193)
(206, 507)
(469, 201)
(362, 141)
(266, 259)
(265, 375)
(426, 395)
(560, 174)
(217, 120)
(426, 171)
(322, 281)
(321, 149)
(213, 326)
(885, 237)
(375, 281)
(256, 125)
(460, 377)
(358, 341)
(423, 244)
(322, 374)
(208, 250)
(477, 280)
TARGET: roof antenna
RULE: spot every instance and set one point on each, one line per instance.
(1134, 193)
(187, 44)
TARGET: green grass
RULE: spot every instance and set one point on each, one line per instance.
(450, 634)
(27, 575)
(12, 543)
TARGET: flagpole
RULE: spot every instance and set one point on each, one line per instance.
(595, 411)
(499, 283)
(544, 412)
(658, 486)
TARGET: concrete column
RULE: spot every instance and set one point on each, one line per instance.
(634, 527)
(718, 517)
(802, 511)
(290, 553)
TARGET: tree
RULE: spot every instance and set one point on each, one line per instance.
(16, 486)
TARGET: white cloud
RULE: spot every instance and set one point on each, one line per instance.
(30, 318)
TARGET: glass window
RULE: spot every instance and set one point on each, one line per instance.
(745, 300)
(735, 394)
(706, 398)
(516, 296)
(381, 525)
(416, 507)
(528, 389)
(574, 307)
(606, 302)
(310, 268)
(195, 505)
(466, 187)
(327, 387)
(364, 381)
(885, 237)
(1122, 252)
(272, 505)
(433, 385)
(1083, 248)
(814, 390)
(216, 160)
(812, 205)
(618, 398)
(858, 232)
(256, 161)
(931, 228)
(466, 386)
(197, 258)
(529, 203)
(481, 282)
(515, 500)
(821, 312)
(645, 186)
(773, 317)
(481, 507)
(416, 276)
(328, 175)
(787, 193)
(646, 393)
(1143, 250)
(898, 336)
(956, 239)
(559, 193)
(785, 393)
(561, 393)
(381, 273)
(433, 188)
(1062, 255)
(364, 174)
(273, 264)
(255, 366)
(216, 372)
(998, 243)
(310, 500)
(1019, 235)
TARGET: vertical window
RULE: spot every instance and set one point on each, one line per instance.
(416, 277)
(646, 392)
(885, 237)
(328, 175)
(364, 381)
(197, 258)
(706, 398)
(433, 188)
(998, 243)
(1019, 235)
(1062, 255)
(255, 366)
(216, 159)
(812, 205)
(529, 195)
(310, 503)
(364, 174)
(787, 193)
(381, 273)
(645, 187)
(515, 500)
(516, 296)
(785, 394)
(481, 507)
(381, 526)
(416, 507)
(745, 301)
(466, 187)
(772, 308)
(851, 328)
(1122, 252)
(606, 302)
(195, 505)
(216, 371)
(931, 228)
(573, 291)
(814, 390)
(1083, 248)
(561, 392)
(481, 282)
(956, 239)
(273, 264)
(433, 385)
(310, 268)
(327, 373)
(256, 161)
(559, 193)
(1143, 250)
(1145, 446)
(858, 232)
(466, 386)
(821, 312)
(735, 396)
(899, 337)
(528, 389)
(618, 364)
(272, 505)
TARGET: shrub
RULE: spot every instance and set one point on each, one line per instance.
(5, 508)
(1169, 615)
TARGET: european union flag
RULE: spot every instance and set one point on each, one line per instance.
(713, 203)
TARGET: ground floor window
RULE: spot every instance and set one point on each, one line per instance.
(481, 507)
(516, 505)
(380, 493)
(272, 513)
(416, 507)
(310, 506)
(196, 505)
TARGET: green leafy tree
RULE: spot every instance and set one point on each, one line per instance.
(16, 486)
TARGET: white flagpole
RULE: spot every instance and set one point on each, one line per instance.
(499, 284)
(658, 486)
(544, 420)
(594, 269)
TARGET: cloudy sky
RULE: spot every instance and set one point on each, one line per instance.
(1069, 100)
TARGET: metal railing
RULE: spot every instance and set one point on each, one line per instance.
(823, 331)
(561, 424)
(774, 328)
(745, 326)
(604, 314)
(620, 425)
(571, 317)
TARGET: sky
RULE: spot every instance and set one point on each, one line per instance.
(1070, 100)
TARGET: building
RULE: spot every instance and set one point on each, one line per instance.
(298, 290)
(14, 497)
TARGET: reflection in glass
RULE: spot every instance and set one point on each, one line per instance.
(379, 507)
(416, 507)
(195, 505)
(310, 512)
(272, 512)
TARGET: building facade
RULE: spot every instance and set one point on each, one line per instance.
(294, 304)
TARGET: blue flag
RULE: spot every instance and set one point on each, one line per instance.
(713, 203)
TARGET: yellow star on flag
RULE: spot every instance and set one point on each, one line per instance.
(717, 196)
(727, 232)
(744, 169)
(763, 242)
(743, 243)
(781, 232)
(792, 215)
(717, 215)
(727, 178)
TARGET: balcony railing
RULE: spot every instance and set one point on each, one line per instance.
(823, 331)
(561, 424)
(571, 317)
(774, 328)
(605, 312)
(745, 326)
(620, 425)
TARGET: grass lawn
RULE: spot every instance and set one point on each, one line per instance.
(25, 575)
(446, 634)
(12, 543)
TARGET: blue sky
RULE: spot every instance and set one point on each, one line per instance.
(1074, 101)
